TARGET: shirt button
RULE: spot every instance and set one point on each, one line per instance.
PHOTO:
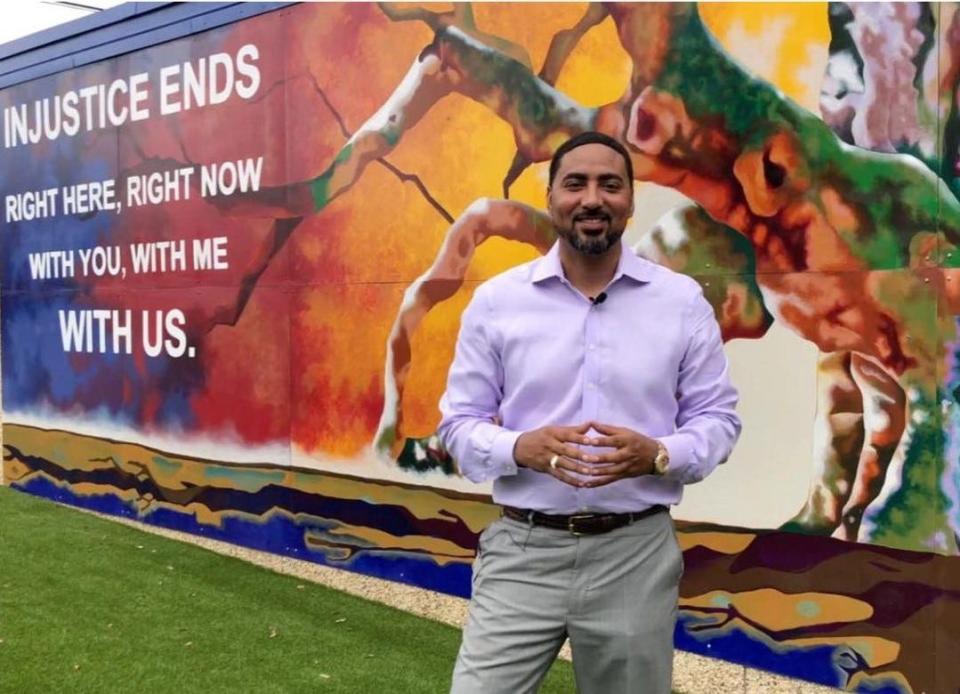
(591, 386)
(591, 346)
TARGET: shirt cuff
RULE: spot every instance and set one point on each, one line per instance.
(682, 466)
(502, 461)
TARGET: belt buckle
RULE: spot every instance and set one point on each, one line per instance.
(572, 521)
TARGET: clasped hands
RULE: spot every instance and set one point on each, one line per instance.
(632, 454)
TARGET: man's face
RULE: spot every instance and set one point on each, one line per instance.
(590, 198)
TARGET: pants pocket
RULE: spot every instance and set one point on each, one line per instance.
(680, 563)
(483, 549)
(477, 567)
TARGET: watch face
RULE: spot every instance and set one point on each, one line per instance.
(662, 460)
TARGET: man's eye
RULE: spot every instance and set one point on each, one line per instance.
(612, 187)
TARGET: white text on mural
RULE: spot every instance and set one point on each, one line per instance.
(158, 257)
(208, 81)
(171, 256)
(218, 178)
(111, 331)
(172, 185)
(80, 198)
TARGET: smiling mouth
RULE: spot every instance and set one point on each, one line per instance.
(592, 223)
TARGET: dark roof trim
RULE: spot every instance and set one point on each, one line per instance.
(115, 31)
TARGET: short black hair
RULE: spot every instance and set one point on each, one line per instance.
(591, 137)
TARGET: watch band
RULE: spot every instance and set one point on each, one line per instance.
(662, 460)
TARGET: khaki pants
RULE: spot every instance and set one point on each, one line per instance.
(614, 595)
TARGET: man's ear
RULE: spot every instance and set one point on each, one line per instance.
(769, 175)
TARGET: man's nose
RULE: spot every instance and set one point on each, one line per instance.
(591, 196)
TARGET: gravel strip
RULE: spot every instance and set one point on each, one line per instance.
(424, 603)
(693, 674)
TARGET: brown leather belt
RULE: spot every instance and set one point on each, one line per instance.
(581, 523)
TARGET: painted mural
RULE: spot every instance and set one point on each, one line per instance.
(233, 268)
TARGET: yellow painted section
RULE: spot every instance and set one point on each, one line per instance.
(725, 543)
(783, 43)
(90, 453)
(441, 551)
(875, 650)
(778, 611)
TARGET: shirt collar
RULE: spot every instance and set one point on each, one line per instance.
(629, 265)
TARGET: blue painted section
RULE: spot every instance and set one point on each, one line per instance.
(821, 664)
(36, 369)
(278, 535)
(118, 30)
(39, 168)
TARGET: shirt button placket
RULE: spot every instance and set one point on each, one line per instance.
(591, 363)
(591, 381)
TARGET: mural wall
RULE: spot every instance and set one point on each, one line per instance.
(234, 264)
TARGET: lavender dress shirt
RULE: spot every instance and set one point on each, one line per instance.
(533, 351)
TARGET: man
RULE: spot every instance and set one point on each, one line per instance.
(590, 385)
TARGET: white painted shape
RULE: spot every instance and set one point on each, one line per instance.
(765, 481)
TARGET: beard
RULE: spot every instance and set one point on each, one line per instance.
(591, 245)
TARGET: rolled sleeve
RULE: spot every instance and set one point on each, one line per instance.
(707, 422)
(482, 449)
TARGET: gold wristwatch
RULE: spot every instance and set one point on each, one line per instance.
(662, 460)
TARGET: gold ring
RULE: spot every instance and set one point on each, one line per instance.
(553, 462)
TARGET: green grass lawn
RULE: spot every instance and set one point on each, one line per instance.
(87, 605)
